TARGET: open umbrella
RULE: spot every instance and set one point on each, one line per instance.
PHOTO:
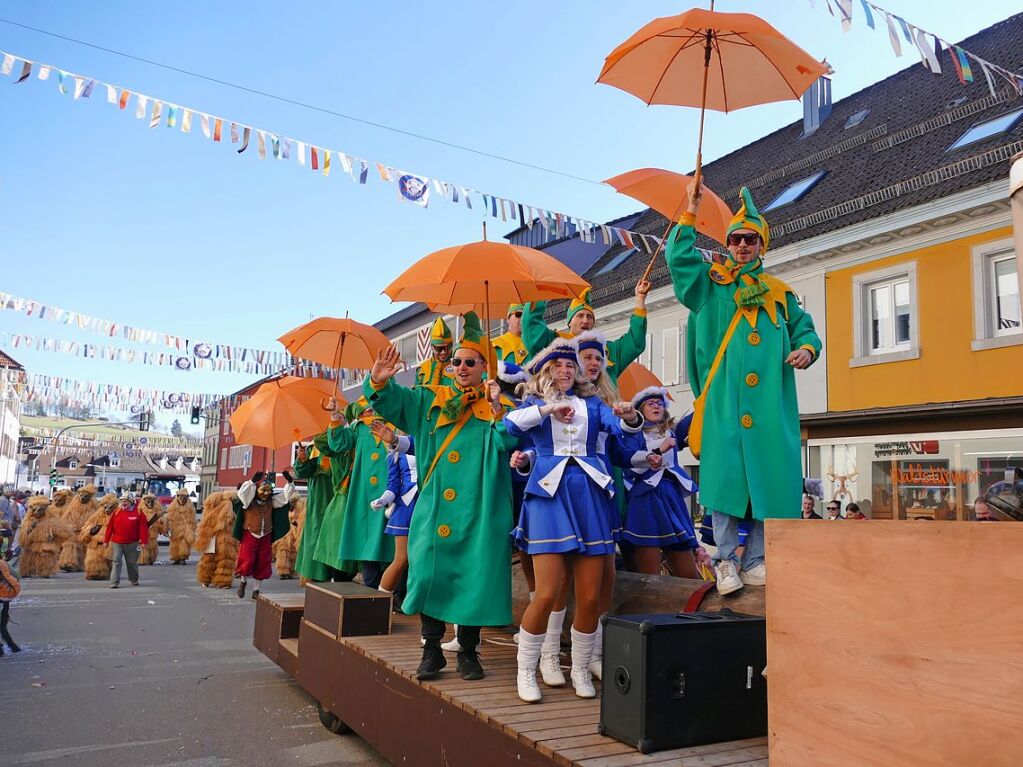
(668, 194)
(710, 60)
(635, 378)
(336, 342)
(284, 410)
(485, 275)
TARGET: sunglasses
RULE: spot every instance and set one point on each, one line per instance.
(832, 508)
(517, 314)
(750, 238)
(469, 363)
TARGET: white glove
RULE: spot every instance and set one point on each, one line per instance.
(383, 501)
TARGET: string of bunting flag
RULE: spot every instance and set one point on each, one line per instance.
(198, 350)
(162, 359)
(920, 39)
(414, 188)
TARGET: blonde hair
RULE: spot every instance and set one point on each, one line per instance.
(544, 386)
(606, 390)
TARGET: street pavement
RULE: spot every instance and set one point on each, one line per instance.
(160, 674)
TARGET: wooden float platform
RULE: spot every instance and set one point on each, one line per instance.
(369, 684)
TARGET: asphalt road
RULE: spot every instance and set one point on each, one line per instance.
(162, 674)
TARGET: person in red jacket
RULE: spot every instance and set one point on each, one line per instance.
(128, 532)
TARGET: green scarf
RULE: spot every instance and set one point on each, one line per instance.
(752, 292)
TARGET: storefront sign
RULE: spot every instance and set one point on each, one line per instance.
(887, 449)
(915, 474)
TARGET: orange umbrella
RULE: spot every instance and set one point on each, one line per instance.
(668, 193)
(634, 379)
(281, 411)
(486, 275)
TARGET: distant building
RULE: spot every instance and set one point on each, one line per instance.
(11, 376)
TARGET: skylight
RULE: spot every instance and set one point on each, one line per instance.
(796, 190)
(617, 261)
(987, 129)
(856, 119)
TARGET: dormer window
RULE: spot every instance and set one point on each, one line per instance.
(72, 464)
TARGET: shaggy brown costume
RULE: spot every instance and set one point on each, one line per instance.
(75, 510)
(156, 518)
(217, 567)
(181, 524)
(97, 553)
(41, 537)
(285, 549)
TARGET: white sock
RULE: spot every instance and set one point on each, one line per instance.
(582, 650)
(552, 639)
(381, 588)
(598, 643)
(528, 655)
(532, 595)
(256, 584)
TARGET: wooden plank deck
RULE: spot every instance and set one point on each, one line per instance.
(563, 728)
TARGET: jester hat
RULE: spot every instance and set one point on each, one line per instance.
(440, 333)
(474, 338)
(748, 217)
(578, 305)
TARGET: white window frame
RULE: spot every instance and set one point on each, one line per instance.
(862, 285)
(683, 370)
(72, 464)
(646, 358)
(669, 367)
(236, 457)
(223, 458)
(115, 462)
(985, 334)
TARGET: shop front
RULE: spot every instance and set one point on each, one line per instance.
(929, 476)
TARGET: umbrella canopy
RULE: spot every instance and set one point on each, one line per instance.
(282, 411)
(634, 379)
(336, 342)
(485, 274)
(750, 62)
(668, 194)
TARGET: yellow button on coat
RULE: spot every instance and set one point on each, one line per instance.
(746, 421)
(449, 494)
(373, 480)
(443, 531)
(752, 379)
(454, 456)
(754, 339)
(374, 456)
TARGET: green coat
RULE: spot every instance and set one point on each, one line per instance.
(328, 541)
(459, 548)
(751, 442)
(433, 372)
(362, 535)
(320, 491)
(621, 352)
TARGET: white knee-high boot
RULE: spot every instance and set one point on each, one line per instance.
(527, 657)
(582, 649)
(550, 653)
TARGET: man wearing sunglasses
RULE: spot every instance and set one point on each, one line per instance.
(508, 346)
(436, 370)
(581, 317)
(458, 544)
(753, 325)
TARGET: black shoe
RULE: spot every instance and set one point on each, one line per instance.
(469, 667)
(433, 660)
(14, 647)
(255, 594)
(241, 590)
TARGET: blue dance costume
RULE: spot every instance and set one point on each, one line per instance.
(401, 480)
(568, 499)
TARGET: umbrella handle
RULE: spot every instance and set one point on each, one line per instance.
(653, 258)
(328, 403)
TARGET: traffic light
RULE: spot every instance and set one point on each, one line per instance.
(53, 476)
(145, 419)
(196, 415)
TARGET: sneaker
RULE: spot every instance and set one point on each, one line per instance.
(241, 590)
(596, 668)
(515, 637)
(115, 585)
(529, 690)
(583, 683)
(452, 646)
(134, 583)
(727, 578)
(550, 670)
(469, 667)
(755, 576)
(432, 662)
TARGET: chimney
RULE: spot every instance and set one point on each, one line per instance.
(816, 105)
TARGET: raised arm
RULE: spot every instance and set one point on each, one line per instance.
(535, 333)
(625, 350)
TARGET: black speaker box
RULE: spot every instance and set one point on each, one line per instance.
(684, 679)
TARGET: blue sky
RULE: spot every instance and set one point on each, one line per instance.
(167, 231)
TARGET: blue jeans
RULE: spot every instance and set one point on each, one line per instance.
(726, 537)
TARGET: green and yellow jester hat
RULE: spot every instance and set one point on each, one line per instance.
(512, 308)
(579, 304)
(440, 333)
(474, 338)
(748, 217)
